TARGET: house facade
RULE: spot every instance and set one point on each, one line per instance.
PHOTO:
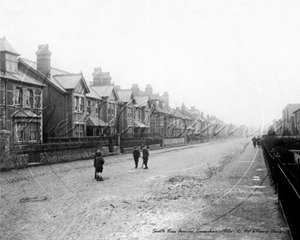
(105, 105)
(288, 118)
(21, 99)
(64, 97)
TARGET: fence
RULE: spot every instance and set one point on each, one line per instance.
(288, 188)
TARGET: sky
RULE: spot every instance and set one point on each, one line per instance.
(238, 60)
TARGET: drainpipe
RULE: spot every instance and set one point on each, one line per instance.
(5, 106)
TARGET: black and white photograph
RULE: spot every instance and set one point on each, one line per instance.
(149, 120)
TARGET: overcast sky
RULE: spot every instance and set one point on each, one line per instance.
(237, 59)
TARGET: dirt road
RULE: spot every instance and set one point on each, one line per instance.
(196, 192)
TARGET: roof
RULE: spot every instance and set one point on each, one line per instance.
(6, 47)
(298, 110)
(68, 81)
(154, 96)
(95, 121)
(92, 94)
(60, 79)
(21, 77)
(54, 71)
(103, 91)
(142, 100)
(25, 114)
(139, 124)
(125, 95)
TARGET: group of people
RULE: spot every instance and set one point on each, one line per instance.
(256, 141)
(137, 154)
(99, 161)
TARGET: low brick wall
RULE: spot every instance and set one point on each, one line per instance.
(155, 146)
(173, 142)
(8, 162)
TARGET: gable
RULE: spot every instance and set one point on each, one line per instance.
(80, 88)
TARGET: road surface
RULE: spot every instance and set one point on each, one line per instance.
(207, 191)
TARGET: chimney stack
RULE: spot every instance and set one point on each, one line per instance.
(97, 77)
(135, 89)
(43, 58)
(149, 89)
(166, 98)
(182, 107)
(101, 78)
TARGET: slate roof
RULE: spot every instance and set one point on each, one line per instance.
(21, 77)
(6, 47)
(125, 95)
(142, 100)
(54, 71)
(68, 81)
(92, 94)
(60, 79)
(103, 91)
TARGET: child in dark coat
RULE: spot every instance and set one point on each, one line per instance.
(98, 164)
(136, 155)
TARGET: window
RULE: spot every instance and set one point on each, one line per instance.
(38, 99)
(111, 109)
(81, 104)
(33, 132)
(76, 104)
(20, 132)
(98, 107)
(29, 98)
(18, 96)
(89, 106)
(130, 112)
(79, 130)
(11, 63)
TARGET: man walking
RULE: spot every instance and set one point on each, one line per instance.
(136, 155)
(254, 141)
(145, 157)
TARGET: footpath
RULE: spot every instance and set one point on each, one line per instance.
(240, 204)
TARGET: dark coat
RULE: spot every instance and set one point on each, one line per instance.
(136, 153)
(145, 153)
(98, 161)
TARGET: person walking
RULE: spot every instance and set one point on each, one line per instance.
(98, 164)
(136, 155)
(145, 157)
(258, 142)
(254, 141)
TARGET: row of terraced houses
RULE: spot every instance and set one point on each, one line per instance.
(39, 102)
(289, 124)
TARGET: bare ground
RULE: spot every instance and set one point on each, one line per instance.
(218, 190)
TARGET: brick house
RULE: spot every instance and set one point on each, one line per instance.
(134, 114)
(105, 103)
(64, 97)
(20, 98)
